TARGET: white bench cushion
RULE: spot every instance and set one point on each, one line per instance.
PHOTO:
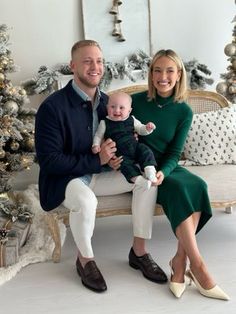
(221, 180)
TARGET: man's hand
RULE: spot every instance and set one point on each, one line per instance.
(108, 150)
(115, 162)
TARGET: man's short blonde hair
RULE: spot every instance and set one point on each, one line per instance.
(84, 43)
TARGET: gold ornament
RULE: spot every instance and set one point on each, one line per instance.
(22, 91)
(5, 58)
(4, 62)
(26, 161)
(232, 89)
(11, 107)
(23, 131)
(6, 120)
(234, 64)
(230, 50)
(4, 36)
(4, 196)
(12, 91)
(221, 88)
(29, 143)
(14, 145)
(2, 153)
(2, 77)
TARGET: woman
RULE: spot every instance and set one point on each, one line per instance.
(182, 194)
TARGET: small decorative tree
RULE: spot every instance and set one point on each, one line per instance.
(228, 87)
(16, 124)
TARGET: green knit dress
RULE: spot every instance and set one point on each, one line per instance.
(181, 192)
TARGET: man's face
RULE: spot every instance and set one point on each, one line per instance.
(87, 66)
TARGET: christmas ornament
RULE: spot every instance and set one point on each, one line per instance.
(2, 153)
(26, 162)
(11, 107)
(232, 89)
(116, 32)
(3, 235)
(22, 91)
(230, 49)
(228, 87)
(3, 37)
(221, 88)
(234, 64)
(14, 145)
(29, 143)
(6, 120)
(2, 77)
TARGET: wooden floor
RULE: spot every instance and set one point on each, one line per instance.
(56, 288)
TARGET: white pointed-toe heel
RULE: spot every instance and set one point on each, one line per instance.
(177, 288)
(216, 292)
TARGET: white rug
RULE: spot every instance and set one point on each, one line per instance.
(40, 244)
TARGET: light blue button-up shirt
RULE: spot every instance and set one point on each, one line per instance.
(88, 177)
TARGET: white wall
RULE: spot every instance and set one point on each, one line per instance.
(195, 29)
(43, 32)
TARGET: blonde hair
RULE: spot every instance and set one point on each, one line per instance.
(84, 43)
(180, 89)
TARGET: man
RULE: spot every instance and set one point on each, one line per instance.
(65, 124)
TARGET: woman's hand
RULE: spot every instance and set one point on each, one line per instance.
(115, 162)
(160, 177)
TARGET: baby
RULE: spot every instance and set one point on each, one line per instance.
(120, 126)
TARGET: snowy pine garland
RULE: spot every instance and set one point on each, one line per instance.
(197, 74)
(45, 81)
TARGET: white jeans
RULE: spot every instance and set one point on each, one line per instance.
(82, 202)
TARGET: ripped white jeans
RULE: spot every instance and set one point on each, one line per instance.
(81, 200)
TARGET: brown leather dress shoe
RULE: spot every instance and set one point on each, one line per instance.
(148, 267)
(91, 276)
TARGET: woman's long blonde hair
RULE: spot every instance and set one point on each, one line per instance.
(180, 93)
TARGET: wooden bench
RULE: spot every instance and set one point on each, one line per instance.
(200, 101)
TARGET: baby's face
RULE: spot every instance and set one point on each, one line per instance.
(118, 107)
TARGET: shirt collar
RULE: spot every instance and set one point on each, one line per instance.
(84, 96)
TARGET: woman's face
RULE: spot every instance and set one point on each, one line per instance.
(165, 74)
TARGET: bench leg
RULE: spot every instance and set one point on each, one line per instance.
(229, 210)
(52, 222)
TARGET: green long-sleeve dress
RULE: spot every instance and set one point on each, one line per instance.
(181, 193)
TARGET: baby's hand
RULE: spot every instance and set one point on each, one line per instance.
(96, 149)
(150, 126)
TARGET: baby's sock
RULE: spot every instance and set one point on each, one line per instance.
(141, 181)
(150, 173)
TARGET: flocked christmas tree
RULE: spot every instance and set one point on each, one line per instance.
(228, 87)
(16, 125)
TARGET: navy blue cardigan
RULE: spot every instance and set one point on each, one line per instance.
(63, 141)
